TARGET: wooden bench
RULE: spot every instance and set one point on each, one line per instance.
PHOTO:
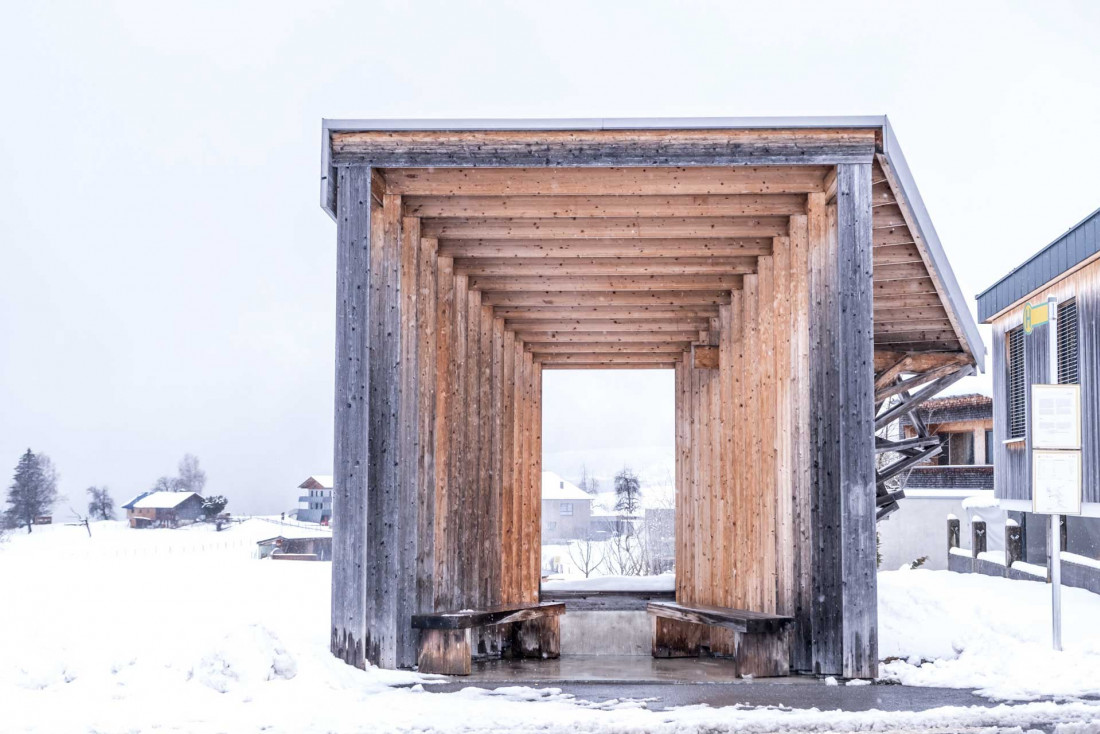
(527, 631)
(758, 642)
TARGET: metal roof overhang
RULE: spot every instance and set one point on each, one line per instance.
(970, 336)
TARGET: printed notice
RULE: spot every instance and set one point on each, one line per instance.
(1056, 416)
(1056, 482)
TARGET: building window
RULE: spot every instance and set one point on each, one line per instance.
(565, 508)
(1017, 384)
(989, 447)
(960, 449)
(551, 525)
(1067, 342)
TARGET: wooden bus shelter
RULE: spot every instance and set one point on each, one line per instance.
(785, 269)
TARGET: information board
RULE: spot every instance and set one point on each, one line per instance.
(1056, 416)
(1056, 482)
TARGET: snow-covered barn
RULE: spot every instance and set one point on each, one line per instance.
(163, 509)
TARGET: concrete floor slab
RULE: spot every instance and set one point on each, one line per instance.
(689, 681)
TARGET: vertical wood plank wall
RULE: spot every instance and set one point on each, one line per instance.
(1013, 460)
(441, 409)
(775, 459)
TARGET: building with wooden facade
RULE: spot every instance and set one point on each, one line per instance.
(786, 269)
(1068, 269)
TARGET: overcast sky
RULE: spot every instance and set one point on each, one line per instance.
(167, 276)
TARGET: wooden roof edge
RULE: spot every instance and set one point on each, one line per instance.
(943, 276)
(330, 126)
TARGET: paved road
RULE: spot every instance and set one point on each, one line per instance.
(810, 695)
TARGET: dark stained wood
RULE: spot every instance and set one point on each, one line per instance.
(738, 620)
(349, 562)
(495, 148)
(502, 614)
(444, 652)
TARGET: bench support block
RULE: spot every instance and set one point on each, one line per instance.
(761, 655)
(534, 638)
(446, 652)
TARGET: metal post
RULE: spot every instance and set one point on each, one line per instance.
(1055, 520)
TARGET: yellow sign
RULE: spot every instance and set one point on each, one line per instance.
(1034, 316)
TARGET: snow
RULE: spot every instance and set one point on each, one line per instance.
(662, 582)
(182, 631)
(1079, 560)
(992, 557)
(993, 634)
(981, 498)
(163, 500)
(556, 488)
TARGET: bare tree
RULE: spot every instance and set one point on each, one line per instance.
(166, 484)
(33, 490)
(192, 478)
(588, 483)
(584, 554)
(102, 505)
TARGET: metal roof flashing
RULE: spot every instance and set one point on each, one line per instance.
(971, 337)
(1030, 275)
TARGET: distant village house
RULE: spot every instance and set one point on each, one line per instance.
(163, 509)
(566, 509)
(315, 505)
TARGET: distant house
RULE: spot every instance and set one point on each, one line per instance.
(566, 509)
(316, 504)
(163, 509)
(958, 481)
(966, 421)
(313, 548)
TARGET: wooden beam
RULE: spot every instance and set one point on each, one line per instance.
(508, 267)
(541, 297)
(735, 205)
(881, 393)
(919, 361)
(673, 348)
(584, 325)
(559, 148)
(609, 247)
(648, 283)
(646, 366)
(912, 402)
(617, 181)
(528, 335)
(537, 313)
(598, 227)
(608, 358)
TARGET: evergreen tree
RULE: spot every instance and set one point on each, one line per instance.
(102, 505)
(212, 506)
(33, 490)
(628, 492)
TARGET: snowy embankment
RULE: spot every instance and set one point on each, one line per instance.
(193, 635)
(975, 631)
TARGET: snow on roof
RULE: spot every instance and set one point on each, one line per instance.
(556, 488)
(325, 480)
(163, 500)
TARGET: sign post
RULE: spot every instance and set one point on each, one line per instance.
(1055, 452)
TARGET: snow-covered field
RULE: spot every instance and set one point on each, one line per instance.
(182, 631)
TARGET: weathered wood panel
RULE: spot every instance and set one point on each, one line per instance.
(499, 148)
(842, 384)
(349, 497)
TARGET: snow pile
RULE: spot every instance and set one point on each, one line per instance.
(993, 634)
(245, 657)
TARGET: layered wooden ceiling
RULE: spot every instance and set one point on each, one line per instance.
(626, 267)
